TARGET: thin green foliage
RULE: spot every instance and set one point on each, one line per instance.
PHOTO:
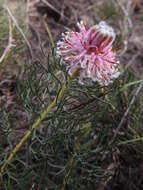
(49, 149)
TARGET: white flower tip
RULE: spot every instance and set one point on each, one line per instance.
(105, 29)
(81, 24)
(81, 81)
(116, 75)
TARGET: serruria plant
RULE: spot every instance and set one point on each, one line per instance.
(87, 53)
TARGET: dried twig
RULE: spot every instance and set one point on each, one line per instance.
(132, 60)
(126, 24)
(10, 42)
(8, 47)
(54, 9)
(18, 27)
(126, 112)
(126, 11)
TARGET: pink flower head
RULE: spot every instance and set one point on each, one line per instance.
(91, 51)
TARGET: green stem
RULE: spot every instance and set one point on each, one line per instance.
(76, 149)
(49, 34)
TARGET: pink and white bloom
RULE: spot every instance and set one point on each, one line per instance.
(91, 51)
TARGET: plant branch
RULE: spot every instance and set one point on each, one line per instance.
(10, 42)
(76, 150)
(127, 111)
(18, 27)
(37, 122)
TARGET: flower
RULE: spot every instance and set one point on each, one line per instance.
(90, 51)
